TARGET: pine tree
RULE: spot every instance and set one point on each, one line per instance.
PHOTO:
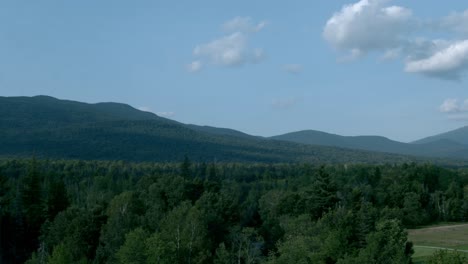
(322, 194)
(57, 200)
(185, 168)
(212, 173)
(33, 209)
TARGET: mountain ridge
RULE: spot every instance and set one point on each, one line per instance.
(50, 127)
(437, 148)
(53, 128)
(459, 135)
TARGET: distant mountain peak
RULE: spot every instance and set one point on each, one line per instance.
(459, 135)
(437, 148)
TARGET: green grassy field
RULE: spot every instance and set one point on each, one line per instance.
(430, 239)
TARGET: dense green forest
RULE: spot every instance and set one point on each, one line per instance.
(55, 211)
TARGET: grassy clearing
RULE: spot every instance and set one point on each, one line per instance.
(452, 237)
(421, 254)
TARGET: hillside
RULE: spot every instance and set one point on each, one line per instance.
(439, 147)
(459, 136)
(220, 131)
(53, 128)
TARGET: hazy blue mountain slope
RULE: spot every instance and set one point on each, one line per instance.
(437, 148)
(459, 136)
(220, 131)
(48, 127)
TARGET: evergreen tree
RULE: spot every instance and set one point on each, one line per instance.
(185, 168)
(212, 173)
(212, 182)
(322, 194)
(33, 209)
(57, 199)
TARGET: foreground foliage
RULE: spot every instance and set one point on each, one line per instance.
(117, 212)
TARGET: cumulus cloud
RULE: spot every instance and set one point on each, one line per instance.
(283, 103)
(293, 68)
(455, 109)
(446, 63)
(232, 49)
(368, 26)
(449, 106)
(452, 105)
(194, 66)
(376, 26)
(243, 24)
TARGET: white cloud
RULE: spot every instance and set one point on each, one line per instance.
(284, 103)
(376, 26)
(293, 68)
(455, 109)
(368, 26)
(243, 24)
(421, 48)
(232, 49)
(446, 63)
(165, 114)
(449, 106)
(227, 51)
(194, 66)
(452, 105)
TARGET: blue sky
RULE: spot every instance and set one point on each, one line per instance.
(370, 67)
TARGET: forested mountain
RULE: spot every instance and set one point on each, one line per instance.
(459, 136)
(48, 127)
(438, 147)
(51, 128)
(221, 131)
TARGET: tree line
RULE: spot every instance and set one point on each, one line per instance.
(55, 211)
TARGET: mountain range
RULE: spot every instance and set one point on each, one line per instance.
(47, 127)
(444, 145)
